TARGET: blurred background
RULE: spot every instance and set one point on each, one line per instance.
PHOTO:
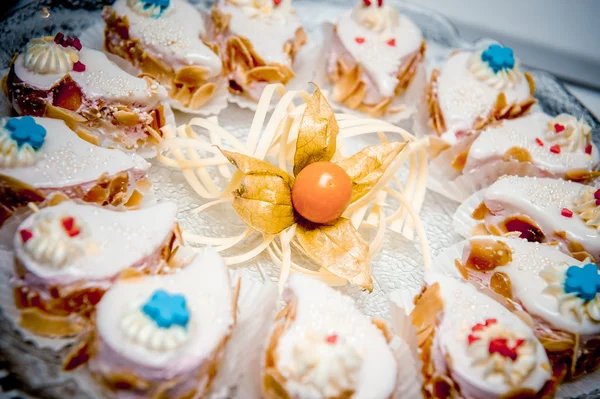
(562, 37)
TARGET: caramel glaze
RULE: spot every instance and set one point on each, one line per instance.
(524, 225)
(487, 255)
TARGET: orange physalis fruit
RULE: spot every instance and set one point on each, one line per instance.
(322, 192)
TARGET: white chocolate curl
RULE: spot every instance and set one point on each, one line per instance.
(45, 57)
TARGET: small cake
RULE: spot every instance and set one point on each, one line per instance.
(167, 41)
(541, 210)
(260, 39)
(68, 255)
(472, 347)
(553, 292)
(533, 145)
(373, 57)
(58, 78)
(473, 89)
(42, 157)
(321, 346)
(162, 336)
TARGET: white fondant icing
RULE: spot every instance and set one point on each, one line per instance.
(267, 32)
(569, 304)
(175, 38)
(575, 136)
(588, 207)
(11, 156)
(463, 97)
(528, 261)
(66, 160)
(465, 306)
(542, 199)
(324, 311)
(376, 18)
(43, 56)
(121, 239)
(501, 80)
(381, 61)
(206, 287)
(51, 244)
(101, 80)
(494, 142)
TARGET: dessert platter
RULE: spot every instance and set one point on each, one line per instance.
(289, 199)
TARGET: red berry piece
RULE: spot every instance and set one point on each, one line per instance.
(58, 39)
(555, 149)
(558, 128)
(79, 67)
(539, 142)
(77, 44)
(566, 213)
(69, 41)
(360, 40)
(380, 3)
(332, 339)
(597, 194)
(70, 227)
(276, 2)
(588, 149)
(391, 42)
(471, 338)
(26, 235)
(367, 3)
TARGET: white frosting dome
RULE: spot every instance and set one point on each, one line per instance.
(56, 241)
(327, 364)
(501, 80)
(587, 205)
(265, 9)
(376, 18)
(43, 56)
(569, 132)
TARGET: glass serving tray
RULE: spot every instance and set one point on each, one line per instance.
(27, 371)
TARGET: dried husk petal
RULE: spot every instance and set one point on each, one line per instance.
(436, 117)
(317, 134)
(339, 248)
(366, 167)
(127, 118)
(71, 118)
(191, 76)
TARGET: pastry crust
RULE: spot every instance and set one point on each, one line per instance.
(66, 101)
(349, 87)
(190, 85)
(243, 65)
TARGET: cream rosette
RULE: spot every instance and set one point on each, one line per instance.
(571, 133)
(301, 131)
(587, 205)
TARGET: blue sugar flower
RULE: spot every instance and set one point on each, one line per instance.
(25, 131)
(167, 310)
(498, 57)
(158, 6)
(584, 281)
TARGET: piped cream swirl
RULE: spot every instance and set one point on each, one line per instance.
(43, 56)
(569, 304)
(378, 19)
(512, 371)
(501, 80)
(329, 368)
(51, 244)
(143, 331)
(587, 207)
(11, 156)
(266, 9)
(569, 132)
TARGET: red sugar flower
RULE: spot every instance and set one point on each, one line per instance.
(566, 213)
(558, 128)
(26, 235)
(332, 339)
(588, 149)
(391, 42)
(539, 142)
(380, 3)
(555, 149)
(360, 40)
(79, 67)
(276, 2)
(70, 227)
(367, 3)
